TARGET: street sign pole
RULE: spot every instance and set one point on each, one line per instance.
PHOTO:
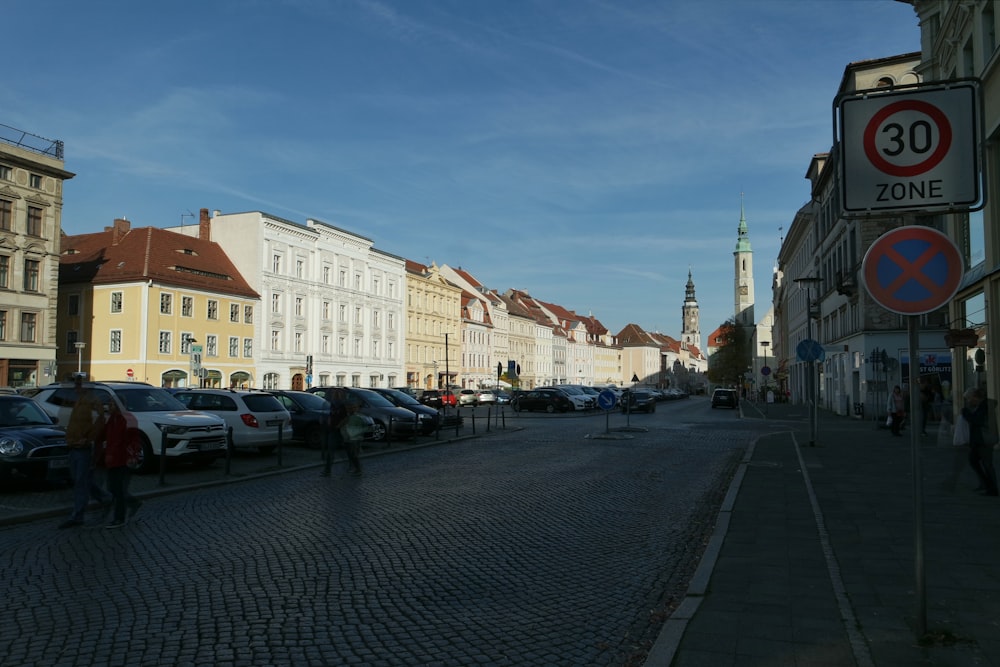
(918, 491)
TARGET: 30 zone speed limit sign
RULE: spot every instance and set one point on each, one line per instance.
(911, 150)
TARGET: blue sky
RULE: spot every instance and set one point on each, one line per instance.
(587, 151)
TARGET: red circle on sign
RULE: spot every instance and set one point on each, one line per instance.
(130, 372)
(912, 270)
(944, 140)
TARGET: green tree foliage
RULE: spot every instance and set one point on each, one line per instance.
(731, 360)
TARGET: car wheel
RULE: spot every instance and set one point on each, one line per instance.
(550, 408)
(149, 461)
(378, 431)
(652, 408)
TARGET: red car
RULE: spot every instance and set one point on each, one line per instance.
(438, 398)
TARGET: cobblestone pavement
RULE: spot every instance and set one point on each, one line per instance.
(544, 546)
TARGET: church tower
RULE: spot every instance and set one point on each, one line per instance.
(690, 328)
(743, 278)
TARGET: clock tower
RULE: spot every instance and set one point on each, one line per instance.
(690, 329)
(743, 283)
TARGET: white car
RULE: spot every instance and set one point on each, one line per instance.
(580, 400)
(190, 436)
(255, 417)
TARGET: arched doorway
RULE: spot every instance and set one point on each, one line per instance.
(239, 379)
(174, 378)
(298, 382)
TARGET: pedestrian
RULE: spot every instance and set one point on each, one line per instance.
(896, 407)
(353, 428)
(926, 404)
(333, 439)
(122, 452)
(86, 421)
(980, 448)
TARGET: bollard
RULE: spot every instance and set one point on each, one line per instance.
(473, 413)
(281, 428)
(229, 448)
(489, 412)
(388, 433)
(163, 457)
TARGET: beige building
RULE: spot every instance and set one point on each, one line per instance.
(142, 301)
(31, 200)
(433, 309)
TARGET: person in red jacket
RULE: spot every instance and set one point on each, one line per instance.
(122, 452)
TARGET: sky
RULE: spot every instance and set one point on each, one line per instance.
(589, 152)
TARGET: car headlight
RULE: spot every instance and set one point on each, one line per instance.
(171, 428)
(11, 447)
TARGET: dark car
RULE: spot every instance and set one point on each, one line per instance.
(402, 422)
(428, 418)
(548, 400)
(31, 446)
(438, 398)
(639, 400)
(309, 412)
(724, 398)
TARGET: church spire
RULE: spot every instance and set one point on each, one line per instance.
(690, 319)
(743, 234)
(743, 273)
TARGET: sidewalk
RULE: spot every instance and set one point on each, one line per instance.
(815, 557)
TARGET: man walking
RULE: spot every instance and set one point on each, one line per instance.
(86, 421)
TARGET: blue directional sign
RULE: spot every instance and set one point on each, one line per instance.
(810, 350)
(606, 399)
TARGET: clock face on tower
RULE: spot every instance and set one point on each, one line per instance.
(743, 290)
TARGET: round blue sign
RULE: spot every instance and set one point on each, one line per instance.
(606, 399)
(810, 350)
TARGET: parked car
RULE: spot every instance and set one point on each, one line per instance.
(310, 415)
(384, 414)
(725, 398)
(468, 397)
(412, 391)
(580, 400)
(638, 400)
(31, 445)
(254, 416)
(438, 398)
(195, 437)
(548, 400)
(485, 396)
(428, 418)
(503, 397)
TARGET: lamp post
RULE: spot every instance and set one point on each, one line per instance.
(79, 356)
(809, 281)
(765, 371)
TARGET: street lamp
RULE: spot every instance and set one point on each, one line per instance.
(765, 371)
(79, 356)
(809, 281)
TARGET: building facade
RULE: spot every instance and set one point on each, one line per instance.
(433, 309)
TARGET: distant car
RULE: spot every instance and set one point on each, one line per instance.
(547, 400)
(724, 398)
(468, 397)
(428, 418)
(485, 396)
(638, 400)
(255, 417)
(195, 437)
(438, 398)
(577, 397)
(385, 415)
(31, 445)
(503, 398)
(309, 412)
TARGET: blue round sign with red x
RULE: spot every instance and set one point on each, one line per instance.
(912, 270)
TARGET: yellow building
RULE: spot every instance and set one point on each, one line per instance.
(433, 309)
(140, 304)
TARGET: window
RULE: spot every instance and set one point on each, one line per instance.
(211, 346)
(298, 306)
(213, 309)
(276, 264)
(6, 214)
(187, 306)
(29, 323)
(375, 319)
(6, 173)
(116, 341)
(374, 285)
(247, 314)
(275, 303)
(73, 305)
(234, 312)
(343, 278)
(31, 275)
(327, 274)
(166, 303)
(341, 346)
(357, 347)
(164, 342)
(357, 314)
(3, 325)
(275, 339)
(35, 181)
(300, 268)
(34, 226)
(71, 338)
(248, 347)
(326, 310)
(234, 346)
(187, 338)
(390, 321)
(271, 380)
(298, 341)
(325, 345)
(116, 302)
(4, 271)
(343, 313)
(357, 281)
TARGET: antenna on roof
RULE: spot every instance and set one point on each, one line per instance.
(189, 214)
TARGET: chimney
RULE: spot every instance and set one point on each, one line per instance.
(204, 225)
(119, 230)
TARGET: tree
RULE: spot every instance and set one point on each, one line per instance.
(729, 363)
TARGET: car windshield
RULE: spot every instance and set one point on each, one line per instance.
(402, 397)
(374, 399)
(311, 401)
(148, 399)
(21, 412)
(572, 391)
(262, 403)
